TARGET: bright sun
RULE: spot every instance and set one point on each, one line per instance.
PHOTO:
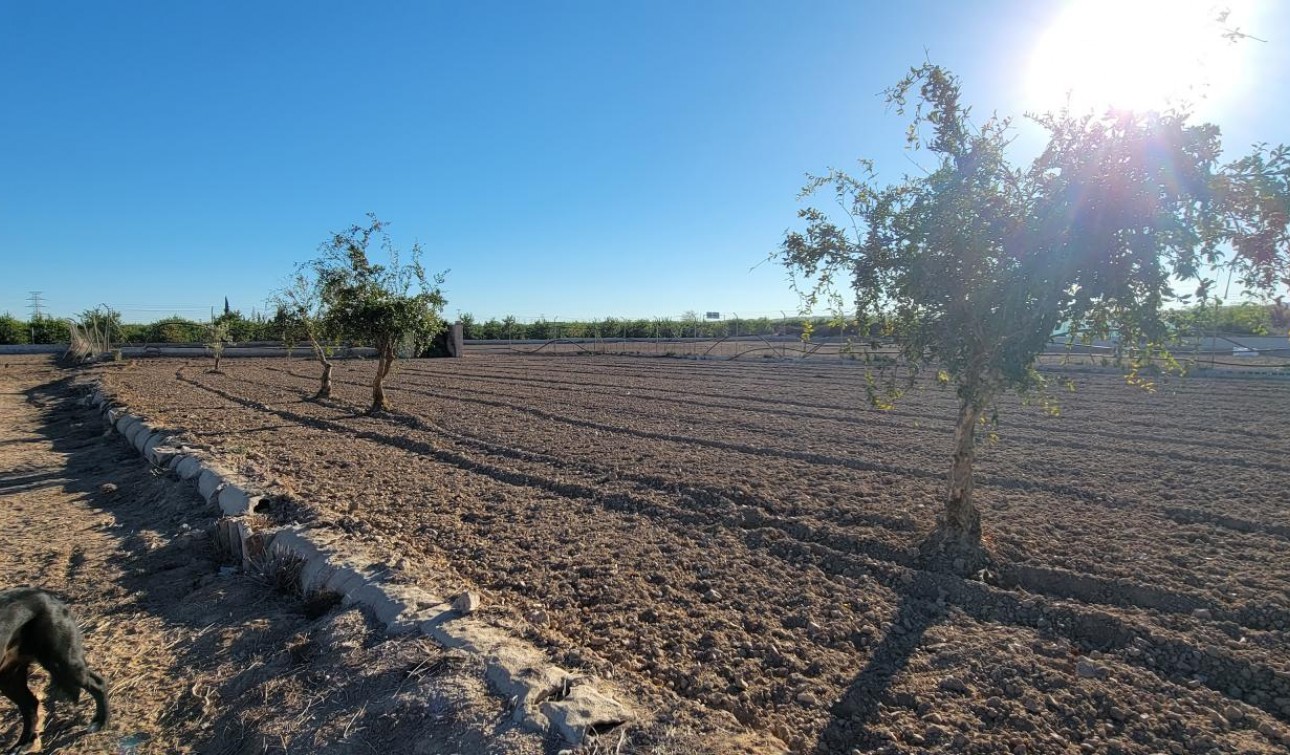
(1131, 54)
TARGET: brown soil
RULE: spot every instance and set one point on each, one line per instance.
(198, 660)
(737, 543)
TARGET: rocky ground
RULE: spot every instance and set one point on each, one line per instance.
(735, 543)
(199, 659)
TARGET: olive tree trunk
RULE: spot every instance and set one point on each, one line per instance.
(956, 540)
(962, 521)
(383, 367)
(320, 353)
(324, 387)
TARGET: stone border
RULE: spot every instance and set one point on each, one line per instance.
(544, 697)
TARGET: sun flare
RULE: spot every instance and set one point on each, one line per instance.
(1132, 54)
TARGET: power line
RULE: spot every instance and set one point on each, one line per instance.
(34, 306)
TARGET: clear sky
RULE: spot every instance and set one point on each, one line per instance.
(562, 159)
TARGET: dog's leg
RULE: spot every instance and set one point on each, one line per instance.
(74, 676)
(94, 684)
(13, 684)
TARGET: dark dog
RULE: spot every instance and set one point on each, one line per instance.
(35, 626)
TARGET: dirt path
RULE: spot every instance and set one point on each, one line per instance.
(200, 660)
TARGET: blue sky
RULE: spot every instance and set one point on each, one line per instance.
(562, 159)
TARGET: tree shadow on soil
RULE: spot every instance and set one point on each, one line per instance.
(858, 709)
(272, 674)
(930, 595)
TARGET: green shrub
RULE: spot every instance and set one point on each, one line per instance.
(13, 330)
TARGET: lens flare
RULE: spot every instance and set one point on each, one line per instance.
(1133, 55)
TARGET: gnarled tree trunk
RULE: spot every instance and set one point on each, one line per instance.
(324, 388)
(320, 353)
(962, 521)
(957, 538)
(383, 367)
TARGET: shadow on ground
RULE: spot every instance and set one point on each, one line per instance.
(200, 659)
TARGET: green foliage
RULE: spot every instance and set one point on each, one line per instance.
(974, 265)
(468, 327)
(378, 305)
(13, 330)
(1248, 318)
(48, 330)
(302, 308)
(288, 326)
(384, 306)
(490, 330)
(611, 327)
(217, 337)
(242, 329)
(174, 330)
(540, 330)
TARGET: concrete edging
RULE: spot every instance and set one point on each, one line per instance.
(545, 697)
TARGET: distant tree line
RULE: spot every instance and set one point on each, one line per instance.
(1246, 319)
(1249, 319)
(175, 329)
(687, 326)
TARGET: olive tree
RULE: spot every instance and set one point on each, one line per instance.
(302, 308)
(974, 266)
(217, 336)
(385, 306)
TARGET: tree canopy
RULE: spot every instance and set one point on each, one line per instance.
(302, 311)
(976, 264)
(385, 306)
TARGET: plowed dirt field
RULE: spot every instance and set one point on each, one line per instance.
(735, 543)
(200, 660)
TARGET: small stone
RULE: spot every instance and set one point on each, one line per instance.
(467, 603)
(711, 596)
(1086, 669)
(107, 488)
(1032, 705)
(954, 684)
(1233, 713)
(1217, 719)
(539, 618)
(1203, 614)
(806, 698)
